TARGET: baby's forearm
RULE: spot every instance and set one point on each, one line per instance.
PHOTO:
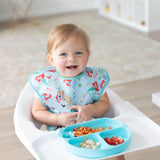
(41, 114)
(100, 107)
(46, 117)
(55, 119)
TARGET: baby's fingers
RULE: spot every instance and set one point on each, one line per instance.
(73, 114)
(79, 118)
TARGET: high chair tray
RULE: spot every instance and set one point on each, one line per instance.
(96, 138)
(144, 134)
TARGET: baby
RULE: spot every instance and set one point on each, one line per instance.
(69, 92)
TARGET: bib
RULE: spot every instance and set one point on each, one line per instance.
(58, 93)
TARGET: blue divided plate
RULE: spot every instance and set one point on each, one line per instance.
(119, 129)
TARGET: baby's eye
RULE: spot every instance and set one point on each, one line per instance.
(63, 54)
(78, 53)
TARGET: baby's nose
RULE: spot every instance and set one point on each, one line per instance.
(72, 58)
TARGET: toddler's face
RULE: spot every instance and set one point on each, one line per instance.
(70, 58)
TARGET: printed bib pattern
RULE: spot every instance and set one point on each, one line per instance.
(58, 93)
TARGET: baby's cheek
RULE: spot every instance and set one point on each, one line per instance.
(61, 65)
(84, 63)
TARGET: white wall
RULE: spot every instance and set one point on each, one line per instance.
(154, 14)
(48, 7)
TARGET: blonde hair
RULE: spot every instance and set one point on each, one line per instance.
(61, 33)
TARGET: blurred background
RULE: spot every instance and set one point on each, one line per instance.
(125, 40)
(124, 43)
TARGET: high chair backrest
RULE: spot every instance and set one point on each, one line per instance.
(24, 104)
(23, 107)
(26, 128)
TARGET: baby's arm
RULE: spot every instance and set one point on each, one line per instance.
(97, 109)
(41, 114)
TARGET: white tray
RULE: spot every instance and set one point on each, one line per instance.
(145, 134)
(156, 98)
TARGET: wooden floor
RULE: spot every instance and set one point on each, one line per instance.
(137, 92)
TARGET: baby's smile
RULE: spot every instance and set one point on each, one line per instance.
(72, 67)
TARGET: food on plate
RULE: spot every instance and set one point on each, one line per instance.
(89, 144)
(87, 130)
(114, 140)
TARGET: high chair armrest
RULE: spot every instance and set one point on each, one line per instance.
(28, 133)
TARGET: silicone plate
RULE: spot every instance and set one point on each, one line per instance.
(119, 129)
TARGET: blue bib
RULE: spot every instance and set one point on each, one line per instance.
(58, 93)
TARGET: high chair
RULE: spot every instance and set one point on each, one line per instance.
(47, 145)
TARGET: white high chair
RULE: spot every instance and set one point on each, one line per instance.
(46, 145)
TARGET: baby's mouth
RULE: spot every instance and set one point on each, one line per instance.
(72, 67)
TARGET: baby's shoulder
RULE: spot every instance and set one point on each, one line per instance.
(45, 70)
(96, 70)
(42, 74)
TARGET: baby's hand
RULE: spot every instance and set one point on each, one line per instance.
(66, 119)
(84, 113)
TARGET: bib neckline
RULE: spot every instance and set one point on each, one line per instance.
(67, 78)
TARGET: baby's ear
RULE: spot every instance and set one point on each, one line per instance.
(88, 52)
(50, 59)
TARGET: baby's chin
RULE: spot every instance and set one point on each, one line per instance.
(71, 74)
